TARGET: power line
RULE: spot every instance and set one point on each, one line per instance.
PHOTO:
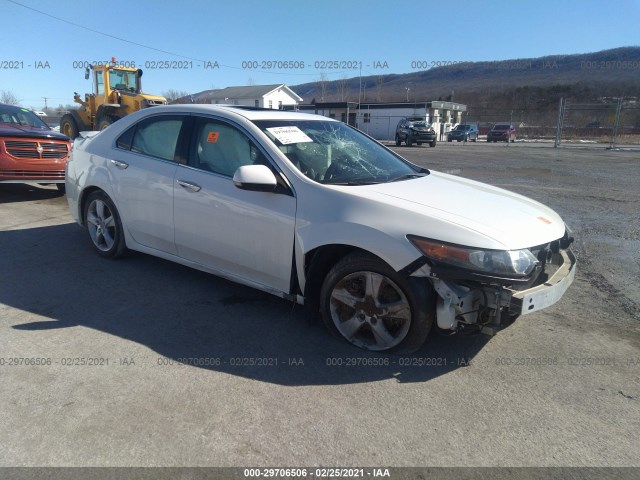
(153, 48)
(102, 33)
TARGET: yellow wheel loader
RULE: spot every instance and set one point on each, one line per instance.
(117, 92)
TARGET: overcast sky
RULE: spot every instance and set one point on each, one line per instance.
(218, 43)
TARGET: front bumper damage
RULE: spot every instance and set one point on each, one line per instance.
(462, 304)
(549, 292)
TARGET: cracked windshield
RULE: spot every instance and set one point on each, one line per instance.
(333, 153)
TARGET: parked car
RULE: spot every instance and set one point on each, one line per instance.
(29, 150)
(312, 210)
(502, 132)
(466, 132)
(415, 130)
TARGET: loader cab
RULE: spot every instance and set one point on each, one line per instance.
(107, 79)
(125, 80)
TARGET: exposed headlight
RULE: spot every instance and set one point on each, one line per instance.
(495, 262)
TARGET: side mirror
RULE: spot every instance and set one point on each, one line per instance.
(257, 178)
(86, 74)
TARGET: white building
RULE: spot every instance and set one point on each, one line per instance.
(264, 96)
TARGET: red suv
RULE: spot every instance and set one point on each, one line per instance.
(29, 150)
(502, 132)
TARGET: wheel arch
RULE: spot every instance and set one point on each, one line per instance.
(320, 259)
(317, 264)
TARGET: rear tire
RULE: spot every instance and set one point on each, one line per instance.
(105, 122)
(365, 302)
(103, 225)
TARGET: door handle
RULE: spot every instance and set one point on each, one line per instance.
(120, 165)
(190, 186)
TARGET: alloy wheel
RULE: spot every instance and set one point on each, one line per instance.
(370, 310)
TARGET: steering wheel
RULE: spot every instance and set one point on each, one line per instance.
(333, 171)
(341, 166)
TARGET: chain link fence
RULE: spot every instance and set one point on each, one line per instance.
(611, 123)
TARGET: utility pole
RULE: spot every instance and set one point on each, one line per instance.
(616, 123)
(360, 89)
(46, 108)
(559, 123)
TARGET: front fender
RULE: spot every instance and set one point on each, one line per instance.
(397, 252)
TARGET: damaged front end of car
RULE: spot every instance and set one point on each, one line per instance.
(485, 290)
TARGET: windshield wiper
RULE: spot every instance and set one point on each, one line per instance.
(407, 176)
(353, 183)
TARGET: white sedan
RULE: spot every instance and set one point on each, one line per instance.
(316, 212)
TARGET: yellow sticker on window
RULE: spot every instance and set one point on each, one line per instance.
(213, 137)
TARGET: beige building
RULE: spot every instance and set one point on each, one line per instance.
(380, 119)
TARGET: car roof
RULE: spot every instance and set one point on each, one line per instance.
(15, 106)
(250, 113)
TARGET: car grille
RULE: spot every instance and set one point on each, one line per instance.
(34, 149)
(46, 174)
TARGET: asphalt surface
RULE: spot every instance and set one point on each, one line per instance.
(560, 387)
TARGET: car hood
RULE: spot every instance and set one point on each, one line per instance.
(10, 130)
(458, 210)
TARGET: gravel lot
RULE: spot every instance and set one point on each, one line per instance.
(557, 388)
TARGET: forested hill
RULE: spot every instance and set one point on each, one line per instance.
(583, 77)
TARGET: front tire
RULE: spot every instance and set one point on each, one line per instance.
(398, 142)
(69, 126)
(409, 141)
(367, 303)
(103, 225)
(61, 187)
(432, 144)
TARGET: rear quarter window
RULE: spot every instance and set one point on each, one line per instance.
(156, 137)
